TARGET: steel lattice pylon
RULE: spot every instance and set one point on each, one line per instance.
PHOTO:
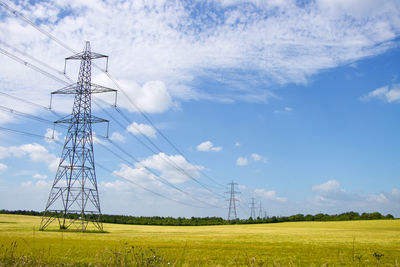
(232, 215)
(74, 198)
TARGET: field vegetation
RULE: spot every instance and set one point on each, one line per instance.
(156, 220)
(345, 243)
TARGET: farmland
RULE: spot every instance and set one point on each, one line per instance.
(349, 243)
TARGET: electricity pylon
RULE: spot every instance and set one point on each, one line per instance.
(260, 211)
(74, 198)
(253, 208)
(232, 215)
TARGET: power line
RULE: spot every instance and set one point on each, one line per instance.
(145, 188)
(19, 60)
(26, 115)
(169, 161)
(97, 164)
(19, 15)
(35, 59)
(126, 118)
(159, 149)
(29, 134)
(29, 102)
(143, 113)
(163, 180)
(47, 121)
(16, 13)
(13, 111)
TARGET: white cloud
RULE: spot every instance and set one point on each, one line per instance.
(116, 136)
(117, 185)
(138, 128)
(4, 152)
(241, 161)
(152, 97)
(36, 152)
(52, 135)
(36, 186)
(97, 140)
(269, 195)
(328, 187)
(379, 198)
(3, 167)
(330, 196)
(385, 94)
(173, 168)
(237, 144)
(39, 176)
(165, 48)
(257, 157)
(395, 193)
(208, 146)
(285, 109)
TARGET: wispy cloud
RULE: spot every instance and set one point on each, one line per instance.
(168, 47)
(388, 94)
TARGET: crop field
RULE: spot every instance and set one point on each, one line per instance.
(350, 243)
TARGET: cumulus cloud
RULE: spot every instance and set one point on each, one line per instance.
(152, 97)
(173, 168)
(269, 195)
(3, 167)
(36, 186)
(52, 135)
(97, 140)
(139, 128)
(36, 152)
(331, 197)
(388, 94)
(116, 136)
(331, 186)
(237, 144)
(39, 176)
(257, 157)
(208, 146)
(118, 185)
(242, 161)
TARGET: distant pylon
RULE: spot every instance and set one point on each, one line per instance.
(232, 215)
(260, 211)
(253, 208)
(74, 198)
(265, 214)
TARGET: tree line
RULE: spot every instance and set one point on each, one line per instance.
(198, 221)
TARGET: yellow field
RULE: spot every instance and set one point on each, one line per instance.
(351, 243)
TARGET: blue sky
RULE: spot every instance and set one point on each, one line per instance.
(296, 101)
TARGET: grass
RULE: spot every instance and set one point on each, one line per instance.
(350, 243)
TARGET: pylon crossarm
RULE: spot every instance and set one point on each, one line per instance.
(68, 90)
(95, 89)
(70, 119)
(74, 88)
(83, 56)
